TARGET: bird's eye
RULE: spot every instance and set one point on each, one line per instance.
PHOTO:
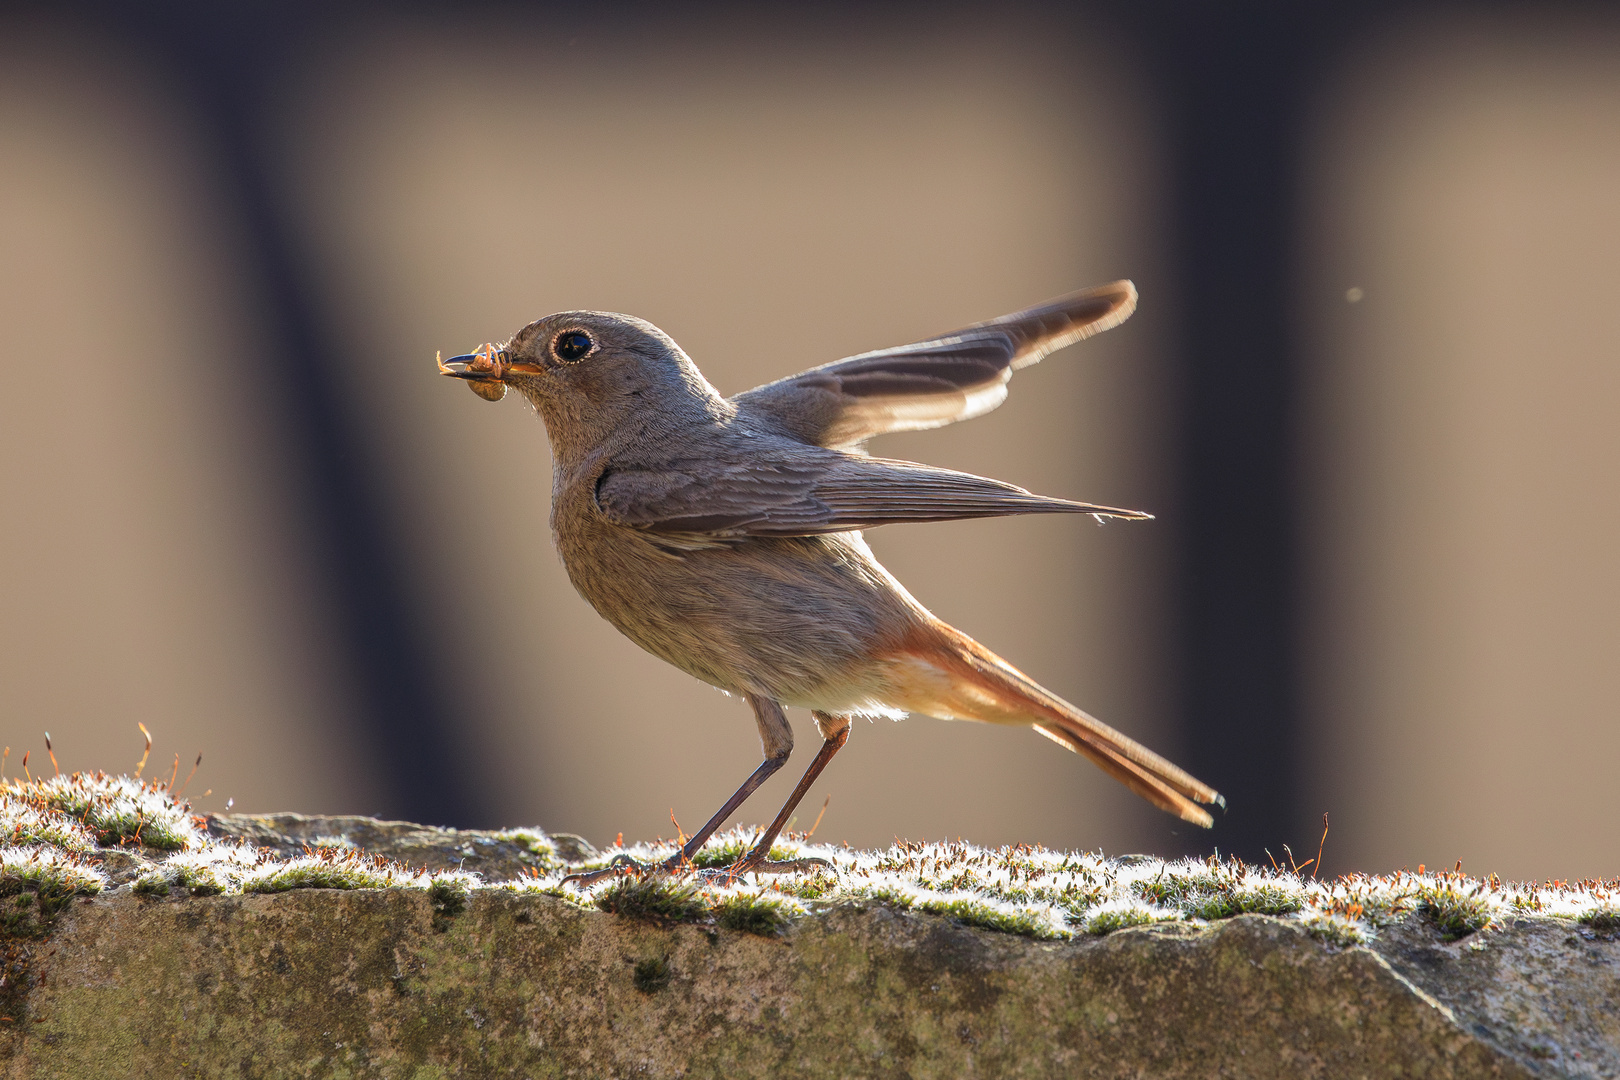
(570, 345)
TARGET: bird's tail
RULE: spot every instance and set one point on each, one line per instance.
(943, 672)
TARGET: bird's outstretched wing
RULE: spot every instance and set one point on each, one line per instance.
(931, 383)
(799, 493)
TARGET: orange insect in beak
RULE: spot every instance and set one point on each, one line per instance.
(484, 371)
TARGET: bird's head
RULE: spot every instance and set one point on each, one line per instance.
(589, 374)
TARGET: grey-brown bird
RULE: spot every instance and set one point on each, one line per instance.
(724, 534)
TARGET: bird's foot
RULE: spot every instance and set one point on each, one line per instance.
(747, 865)
(625, 866)
(618, 866)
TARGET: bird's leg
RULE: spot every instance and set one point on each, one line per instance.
(776, 739)
(835, 729)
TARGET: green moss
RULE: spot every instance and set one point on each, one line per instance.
(1603, 920)
(1022, 922)
(114, 809)
(201, 880)
(1072, 898)
(1370, 900)
(654, 898)
(532, 887)
(1106, 922)
(317, 874)
(48, 873)
(1526, 903)
(1074, 912)
(809, 886)
(54, 826)
(153, 883)
(652, 974)
(21, 826)
(893, 897)
(536, 843)
(1261, 900)
(1455, 914)
(719, 855)
(1335, 931)
(449, 896)
(36, 886)
(965, 879)
(751, 914)
(1173, 889)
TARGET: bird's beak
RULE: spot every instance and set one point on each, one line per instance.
(465, 366)
(485, 370)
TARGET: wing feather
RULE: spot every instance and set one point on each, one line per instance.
(931, 383)
(797, 494)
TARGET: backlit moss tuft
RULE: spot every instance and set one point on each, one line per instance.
(22, 824)
(1604, 920)
(114, 810)
(751, 913)
(720, 854)
(985, 915)
(655, 898)
(37, 883)
(1118, 918)
(1455, 911)
(1335, 930)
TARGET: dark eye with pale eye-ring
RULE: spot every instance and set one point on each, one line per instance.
(570, 345)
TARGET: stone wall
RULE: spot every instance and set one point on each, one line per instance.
(505, 982)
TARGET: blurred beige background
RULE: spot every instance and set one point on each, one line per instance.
(1466, 433)
(151, 570)
(775, 208)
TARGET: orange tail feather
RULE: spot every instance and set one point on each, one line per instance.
(952, 676)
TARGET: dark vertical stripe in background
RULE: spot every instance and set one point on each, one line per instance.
(1234, 82)
(228, 60)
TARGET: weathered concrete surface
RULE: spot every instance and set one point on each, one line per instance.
(381, 983)
(495, 855)
(325, 983)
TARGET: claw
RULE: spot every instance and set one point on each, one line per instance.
(742, 866)
(624, 866)
(618, 866)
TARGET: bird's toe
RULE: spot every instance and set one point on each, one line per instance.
(618, 866)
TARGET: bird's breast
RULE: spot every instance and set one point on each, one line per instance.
(799, 619)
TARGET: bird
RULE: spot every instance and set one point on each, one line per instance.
(724, 535)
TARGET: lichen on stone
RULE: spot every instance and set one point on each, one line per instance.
(536, 841)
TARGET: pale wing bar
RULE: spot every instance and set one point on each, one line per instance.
(931, 383)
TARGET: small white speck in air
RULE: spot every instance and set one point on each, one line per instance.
(1354, 294)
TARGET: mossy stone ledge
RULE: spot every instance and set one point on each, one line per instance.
(448, 975)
